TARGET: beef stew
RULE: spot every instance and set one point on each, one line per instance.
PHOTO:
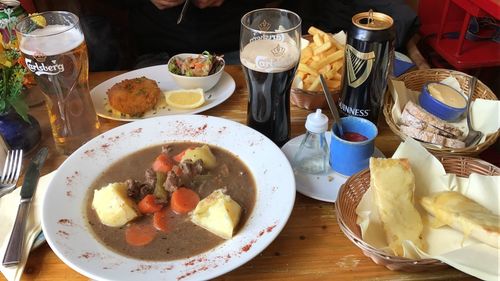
(182, 239)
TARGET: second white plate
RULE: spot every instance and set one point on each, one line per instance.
(218, 94)
(323, 187)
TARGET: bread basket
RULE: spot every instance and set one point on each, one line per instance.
(352, 191)
(415, 80)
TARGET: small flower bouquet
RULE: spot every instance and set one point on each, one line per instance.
(13, 75)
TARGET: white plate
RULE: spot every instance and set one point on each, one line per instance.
(323, 187)
(63, 206)
(218, 94)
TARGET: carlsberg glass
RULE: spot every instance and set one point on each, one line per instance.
(269, 53)
(53, 47)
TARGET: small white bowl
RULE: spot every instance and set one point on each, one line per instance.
(190, 82)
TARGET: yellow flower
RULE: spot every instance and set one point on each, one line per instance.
(39, 20)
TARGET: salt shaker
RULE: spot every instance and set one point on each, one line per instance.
(312, 155)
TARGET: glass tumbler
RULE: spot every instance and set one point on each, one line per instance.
(53, 47)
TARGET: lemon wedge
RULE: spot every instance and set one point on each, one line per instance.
(185, 99)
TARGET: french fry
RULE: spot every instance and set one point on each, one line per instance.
(322, 48)
(329, 74)
(310, 79)
(330, 59)
(337, 76)
(336, 66)
(305, 68)
(314, 85)
(329, 38)
(306, 54)
(333, 84)
(325, 69)
(330, 51)
(313, 30)
(318, 40)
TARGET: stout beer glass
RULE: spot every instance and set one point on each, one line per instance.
(54, 49)
(269, 53)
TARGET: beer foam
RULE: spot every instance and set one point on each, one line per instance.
(51, 40)
(270, 56)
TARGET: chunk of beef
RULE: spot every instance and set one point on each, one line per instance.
(150, 177)
(172, 182)
(167, 149)
(137, 190)
(190, 169)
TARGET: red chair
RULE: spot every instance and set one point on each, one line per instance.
(445, 24)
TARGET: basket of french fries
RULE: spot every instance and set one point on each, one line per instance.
(322, 54)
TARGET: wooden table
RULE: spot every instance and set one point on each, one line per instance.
(310, 247)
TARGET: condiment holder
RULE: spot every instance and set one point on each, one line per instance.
(351, 153)
(442, 101)
(312, 155)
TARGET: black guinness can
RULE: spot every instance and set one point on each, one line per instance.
(368, 61)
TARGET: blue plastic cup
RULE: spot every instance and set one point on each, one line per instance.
(349, 157)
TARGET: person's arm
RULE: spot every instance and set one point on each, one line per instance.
(165, 4)
(207, 3)
(160, 4)
(216, 3)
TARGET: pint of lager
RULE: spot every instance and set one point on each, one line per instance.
(269, 54)
(54, 49)
(368, 59)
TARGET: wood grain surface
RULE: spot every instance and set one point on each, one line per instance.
(310, 247)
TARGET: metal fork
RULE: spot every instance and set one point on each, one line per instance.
(474, 136)
(11, 171)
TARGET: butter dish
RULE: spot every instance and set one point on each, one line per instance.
(442, 101)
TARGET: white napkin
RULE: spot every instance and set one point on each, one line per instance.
(444, 243)
(8, 211)
(485, 114)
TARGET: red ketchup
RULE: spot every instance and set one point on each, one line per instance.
(354, 137)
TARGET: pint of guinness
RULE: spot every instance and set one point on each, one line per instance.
(269, 54)
(367, 63)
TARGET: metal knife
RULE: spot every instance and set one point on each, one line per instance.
(332, 106)
(14, 250)
(183, 11)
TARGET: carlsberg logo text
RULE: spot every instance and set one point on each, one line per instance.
(42, 68)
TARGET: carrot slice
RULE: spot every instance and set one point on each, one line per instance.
(162, 164)
(184, 200)
(148, 204)
(139, 234)
(160, 220)
(178, 157)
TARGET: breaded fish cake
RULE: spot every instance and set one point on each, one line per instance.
(134, 96)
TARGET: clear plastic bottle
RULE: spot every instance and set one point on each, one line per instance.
(313, 153)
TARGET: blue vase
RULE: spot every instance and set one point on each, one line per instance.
(18, 133)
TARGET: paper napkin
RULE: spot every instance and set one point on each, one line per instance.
(444, 243)
(485, 114)
(8, 211)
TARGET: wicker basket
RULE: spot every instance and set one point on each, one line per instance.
(352, 191)
(311, 99)
(415, 80)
